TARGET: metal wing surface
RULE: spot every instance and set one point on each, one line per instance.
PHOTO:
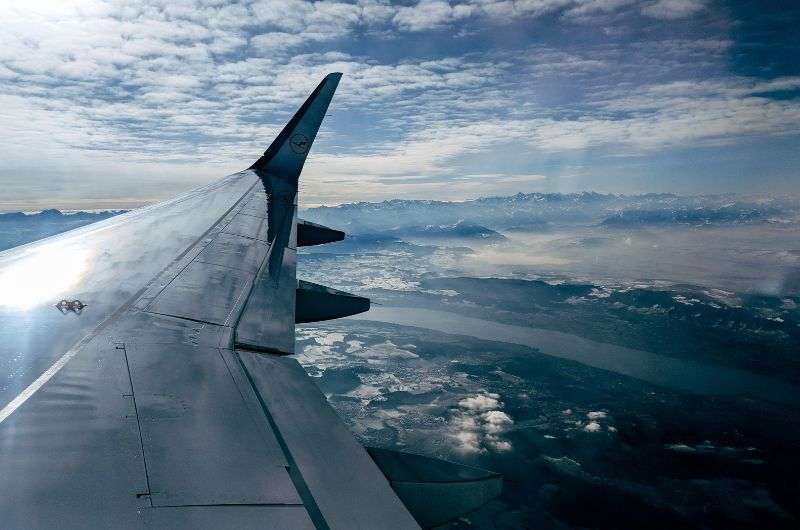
(158, 393)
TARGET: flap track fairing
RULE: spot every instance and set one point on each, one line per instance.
(316, 302)
(309, 234)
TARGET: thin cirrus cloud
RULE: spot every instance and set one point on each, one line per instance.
(96, 94)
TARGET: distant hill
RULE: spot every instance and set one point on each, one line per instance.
(480, 219)
(729, 214)
(18, 228)
(459, 230)
(543, 211)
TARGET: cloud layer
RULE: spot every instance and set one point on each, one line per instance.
(95, 95)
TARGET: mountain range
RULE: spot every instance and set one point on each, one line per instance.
(541, 211)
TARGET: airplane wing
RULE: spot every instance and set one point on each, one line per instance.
(146, 377)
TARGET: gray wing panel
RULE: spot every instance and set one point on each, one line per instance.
(235, 517)
(106, 265)
(203, 292)
(251, 226)
(256, 206)
(235, 251)
(71, 455)
(131, 426)
(213, 280)
(201, 445)
(267, 323)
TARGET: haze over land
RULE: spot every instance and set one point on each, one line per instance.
(632, 355)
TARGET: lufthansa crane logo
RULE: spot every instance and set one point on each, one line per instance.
(299, 143)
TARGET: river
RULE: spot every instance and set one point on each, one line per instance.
(670, 372)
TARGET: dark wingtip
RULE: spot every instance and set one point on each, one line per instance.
(321, 96)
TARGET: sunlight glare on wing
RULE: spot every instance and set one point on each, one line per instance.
(42, 276)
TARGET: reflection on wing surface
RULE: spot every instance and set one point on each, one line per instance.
(169, 401)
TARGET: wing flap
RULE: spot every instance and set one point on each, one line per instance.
(71, 454)
(200, 444)
(347, 488)
(238, 517)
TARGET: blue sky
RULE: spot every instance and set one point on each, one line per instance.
(111, 103)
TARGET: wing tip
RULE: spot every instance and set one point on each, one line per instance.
(321, 96)
(333, 77)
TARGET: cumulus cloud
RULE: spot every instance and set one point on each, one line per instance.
(480, 402)
(592, 426)
(496, 421)
(479, 423)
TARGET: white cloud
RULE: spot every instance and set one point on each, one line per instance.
(195, 88)
(480, 402)
(275, 41)
(496, 421)
(592, 426)
(500, 445)
(584, 7)
(673, 9)
(465, 435)
(479, 424)
(430, 14)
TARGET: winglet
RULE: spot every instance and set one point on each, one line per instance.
(286, 155)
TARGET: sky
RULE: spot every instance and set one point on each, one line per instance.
(107, 103)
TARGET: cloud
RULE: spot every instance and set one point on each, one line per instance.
(193, 89)
(275, 41)
(480, 402)
(592, 426)
(652, 118)
(479, 424)
(673, 9)
(430, 14)
(586, 7)
(496, 421)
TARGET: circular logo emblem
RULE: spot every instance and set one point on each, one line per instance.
(299, 143)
